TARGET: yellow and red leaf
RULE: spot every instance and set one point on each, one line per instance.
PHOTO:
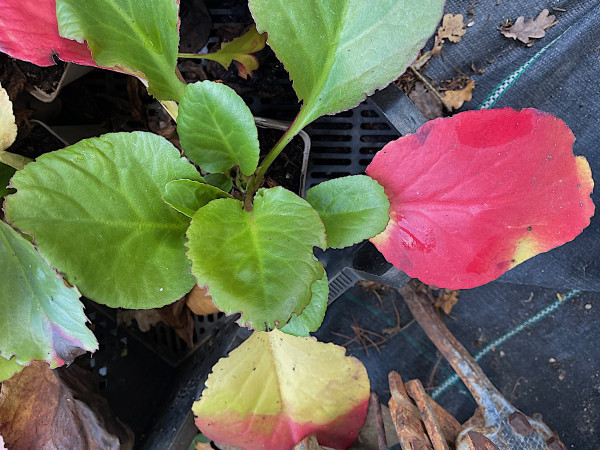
(276, 389)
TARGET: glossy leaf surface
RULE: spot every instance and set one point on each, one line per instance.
(311, 317)
(96, 212)
(136, 36)
(40, 318)
(476, 194)
(8, 368)
(216, 128)
(259, 262)
(339, 51)
(276, 389)
(188, 196)
(29, 31)
(352, 209)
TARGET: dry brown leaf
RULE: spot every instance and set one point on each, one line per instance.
(446, 300)
(437, 46)
(179, 317)
(200, 302)
(429, 105)
(455, 99)
(145, 318)
(525, 30)
(452, 28)
(39, 410)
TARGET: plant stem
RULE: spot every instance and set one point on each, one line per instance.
(258, 176)
(190, 55)
(198, 56)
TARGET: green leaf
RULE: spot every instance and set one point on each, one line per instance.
(312, 316)
(339, 51)
(40, 317)
(198, 439)
(7, 369)
(219, 180)
(240, 49)
(6, 172)
(137, 36)
(352, 208)
(188, 196)
(217, 129)
(259, 262)
(96, 211)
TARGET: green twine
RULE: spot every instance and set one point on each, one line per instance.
(505, 337)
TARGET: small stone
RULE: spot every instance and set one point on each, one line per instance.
(588, 306)
(552, 360)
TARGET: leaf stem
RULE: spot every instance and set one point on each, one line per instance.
(195, 55)
(258, 176)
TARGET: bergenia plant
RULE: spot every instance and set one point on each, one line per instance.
(131, 223)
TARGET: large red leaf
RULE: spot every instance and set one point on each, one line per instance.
(478, 193)
(29, 31)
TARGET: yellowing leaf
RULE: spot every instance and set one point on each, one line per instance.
(276, 389)
(455, 99)
(240, 50)
(8, 127)
(8, 134)
(525, 30)
(452, 28)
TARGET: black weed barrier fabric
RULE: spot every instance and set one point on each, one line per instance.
(542, 353)
(558, 74)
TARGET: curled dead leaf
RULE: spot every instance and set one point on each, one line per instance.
(455, 99)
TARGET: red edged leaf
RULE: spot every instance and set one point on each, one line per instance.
(276, 389)
(29, 31)
(478, 193)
